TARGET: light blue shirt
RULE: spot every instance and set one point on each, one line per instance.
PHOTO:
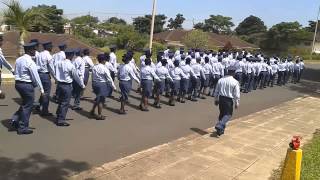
(177, 73)
(126, 73)
(100, 73)
(79, 64)
(66, 72)
(198, 70)
(44, 61)
(188, 71)
(163, 73)
(148, 73)
(59, 56)
(207, 69)
(26, 71)
(4, 62)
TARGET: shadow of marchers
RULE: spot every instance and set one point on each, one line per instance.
(39, 166)
(199, 131)
(311, 88)
(311, 74)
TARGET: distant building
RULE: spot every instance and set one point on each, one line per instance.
(67, 28)
(175, 38)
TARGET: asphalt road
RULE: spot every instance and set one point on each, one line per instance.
(53, 152)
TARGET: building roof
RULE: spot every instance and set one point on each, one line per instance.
(217, 40)
(11, 42)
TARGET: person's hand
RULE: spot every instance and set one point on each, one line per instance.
(12, 71)
(237, 106)
(114, 88)
(83, 87)
(42, 92)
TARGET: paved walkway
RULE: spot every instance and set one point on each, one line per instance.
(252, 148)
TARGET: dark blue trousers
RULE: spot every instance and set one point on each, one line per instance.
(255, 82)
(238, 77)
(226, 110)
(64, 95)
(248, 82)
(86, 75)
(76, 93)
(262, 78)
(22, 116)
(44, 100)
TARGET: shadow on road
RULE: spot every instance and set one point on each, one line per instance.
(39, 166)
(199, 131)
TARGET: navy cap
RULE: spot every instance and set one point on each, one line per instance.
(101, 57)
(34, 41)
(69, 52)
(29, 46)
(77, 51)
(62, 45)
(112, 47)
(86, 51)
(46, 44)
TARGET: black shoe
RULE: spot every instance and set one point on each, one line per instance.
(145, 109)
(158, 106)
(194, 100)
(27, 131)
(189, 98)
(183, 101)
(14, 124)
(219, 131)
(202, 97)
(122, 112)
(62, 124)
(75, 108)
(100, 117)
(47, 114)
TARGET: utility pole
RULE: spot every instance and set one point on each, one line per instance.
(315, 34)
(152, 23)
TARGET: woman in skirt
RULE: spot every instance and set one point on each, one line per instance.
(101, 80)
(207, 69)
(147, 76)
(176, 74)
(185, 82)
(163, 74)
(125, 76)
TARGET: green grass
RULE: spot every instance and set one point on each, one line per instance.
(311, 159)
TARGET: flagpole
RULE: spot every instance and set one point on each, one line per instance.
(315, 33)
(152, 23)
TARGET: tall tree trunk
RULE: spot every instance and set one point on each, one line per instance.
(21, 43)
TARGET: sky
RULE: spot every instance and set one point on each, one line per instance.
(270, 11)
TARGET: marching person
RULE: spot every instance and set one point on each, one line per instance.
(79, 64)
(5, 63)
(185, 82)
(301, 63)
(125, 76)
(101, 79)
(36, 55)
(59, 56)
(65, 75)
(88, 65)
(226, 94)
(26, 78)
(296, 72)
(163, 74)
(217, 73)
(176, 74)
(248, 75)
(207, 70)
(195, 82)
(112, 71)
(45, 67)
(147, 76)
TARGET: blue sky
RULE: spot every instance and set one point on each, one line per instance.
(270, 11)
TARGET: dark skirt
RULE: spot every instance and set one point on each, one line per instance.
(101, 90)
(205, 82)
(160, 86)
(125, 88)
(146, 86)
(175, 87)
(184, 83)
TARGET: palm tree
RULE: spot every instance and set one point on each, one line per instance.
(21, 19)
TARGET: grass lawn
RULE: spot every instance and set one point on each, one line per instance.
(311, 159)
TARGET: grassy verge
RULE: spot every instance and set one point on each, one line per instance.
(310, 160)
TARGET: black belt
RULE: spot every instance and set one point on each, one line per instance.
(23, 82)
(64, 83)
(87, 67)
(44, 72)
(225, 97)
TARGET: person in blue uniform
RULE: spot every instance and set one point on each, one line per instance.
(65, 74)
(26, 79)
(194, 90)
(207, 69)
(44, 63)
(163, 74)
(147, 76)
(79, 64)
(101, 80)
(227, 93)
(59, 56)
(5, 63)
(185, 82)
(176, 74)
(88, 65)
(125, 76)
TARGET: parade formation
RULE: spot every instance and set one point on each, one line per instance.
(179, 75)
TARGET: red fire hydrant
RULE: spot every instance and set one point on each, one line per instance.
(295, 142)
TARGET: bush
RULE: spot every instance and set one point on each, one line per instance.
(130, 39)
(156, 47)
(196, 39)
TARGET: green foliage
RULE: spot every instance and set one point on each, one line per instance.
(53, 21)
(312, 26)
(177, 22)
(100, 42)
(156, 47)
(115, 20)
(130, 39)
(217, 24)
(311, 158)
(143, 23)
(196, 39)
(87, 20)
(283, 35)
(84, 31)
(251, 25)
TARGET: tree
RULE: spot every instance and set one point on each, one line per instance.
(86, 20)
(251, 25)
(196, 39)
(217, 24)
(53, 23)
(21, 19)
(177, 22)
(312, 26)
(115, 20)
(143, 23)
(129, 38)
